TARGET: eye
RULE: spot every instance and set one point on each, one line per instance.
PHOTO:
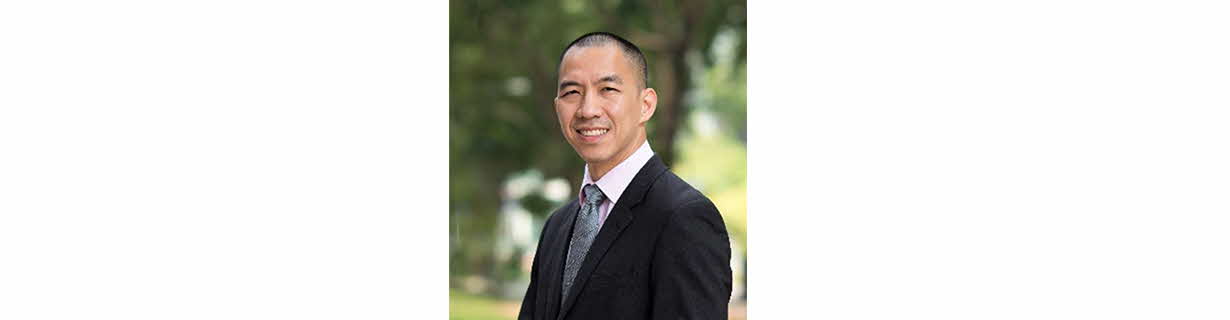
(610, 89)
(568, 93)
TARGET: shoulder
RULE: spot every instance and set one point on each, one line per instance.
(671, 191)
(682, 203)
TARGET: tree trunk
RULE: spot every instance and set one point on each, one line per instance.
(673, 84)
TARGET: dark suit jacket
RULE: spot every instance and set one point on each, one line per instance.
(663, 253)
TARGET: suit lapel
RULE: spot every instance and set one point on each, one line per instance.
(619, 218)
(555, 262)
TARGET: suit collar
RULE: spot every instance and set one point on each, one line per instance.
(621, 215)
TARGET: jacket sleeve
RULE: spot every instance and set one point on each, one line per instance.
(531, 292)
(691, 276)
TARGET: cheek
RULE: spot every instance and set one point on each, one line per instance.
(628, 116)
(562, 113)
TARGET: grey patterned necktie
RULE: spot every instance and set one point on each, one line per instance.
(583, 232)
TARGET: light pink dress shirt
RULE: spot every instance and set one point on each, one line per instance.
(615, 181)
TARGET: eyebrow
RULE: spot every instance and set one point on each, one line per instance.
(609, 78)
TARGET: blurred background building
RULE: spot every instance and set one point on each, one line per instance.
(509, 165)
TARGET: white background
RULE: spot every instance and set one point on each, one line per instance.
(989, 160)
(223, 160)
(946, 160)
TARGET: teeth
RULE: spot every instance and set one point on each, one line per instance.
(593, 132)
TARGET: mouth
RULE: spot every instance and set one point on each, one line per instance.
(592, 134)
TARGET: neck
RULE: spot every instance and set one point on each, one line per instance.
(598, 170)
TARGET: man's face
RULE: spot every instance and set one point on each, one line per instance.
(600, 104)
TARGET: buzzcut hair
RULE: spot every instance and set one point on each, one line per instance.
(630, 51)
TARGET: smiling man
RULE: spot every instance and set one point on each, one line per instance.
(638, 242)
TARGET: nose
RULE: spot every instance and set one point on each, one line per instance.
(590, 108)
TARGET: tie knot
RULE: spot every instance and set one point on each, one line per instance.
(593, 195)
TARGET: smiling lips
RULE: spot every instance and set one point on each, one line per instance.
(592, 135)
(592, 132)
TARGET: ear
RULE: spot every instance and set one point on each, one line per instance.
(649, 104)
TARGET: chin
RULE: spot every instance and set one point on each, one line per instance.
(595, 156)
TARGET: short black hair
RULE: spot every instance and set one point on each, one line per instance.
(631, 52)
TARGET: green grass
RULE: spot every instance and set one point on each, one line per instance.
(473, 307)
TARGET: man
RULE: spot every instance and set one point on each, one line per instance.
(638, 242)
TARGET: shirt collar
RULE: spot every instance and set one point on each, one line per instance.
(615, 181)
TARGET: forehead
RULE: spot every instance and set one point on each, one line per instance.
(592, 62)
